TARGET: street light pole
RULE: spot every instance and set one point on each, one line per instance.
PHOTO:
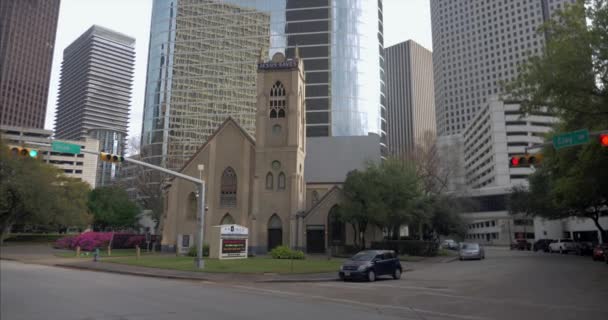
(200, 263)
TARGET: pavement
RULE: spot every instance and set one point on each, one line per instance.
(46, 255)
(506, 285)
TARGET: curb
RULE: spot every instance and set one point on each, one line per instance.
(131, 273)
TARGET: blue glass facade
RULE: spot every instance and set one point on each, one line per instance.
(202, 59)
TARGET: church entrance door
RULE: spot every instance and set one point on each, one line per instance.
(315, 239)
(275, 232)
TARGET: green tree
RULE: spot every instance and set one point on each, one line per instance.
(383, 194)
(111, 208)
(35, 193)
(570, 80)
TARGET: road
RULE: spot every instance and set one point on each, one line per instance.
(507, 285)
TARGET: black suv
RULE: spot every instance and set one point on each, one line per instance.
(370, 264)
(542, 245)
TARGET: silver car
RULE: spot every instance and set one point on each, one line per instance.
(471, 251)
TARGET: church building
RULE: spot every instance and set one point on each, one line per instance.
(259, 182)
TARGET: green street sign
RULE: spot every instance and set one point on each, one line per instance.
(570, 139)
(64, 147)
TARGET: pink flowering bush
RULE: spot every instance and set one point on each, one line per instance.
(87, 241)
(65, 242)
(137, 240)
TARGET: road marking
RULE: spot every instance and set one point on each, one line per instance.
(359, 303)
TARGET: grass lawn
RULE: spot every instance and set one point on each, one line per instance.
(250, 265)
(102, 253)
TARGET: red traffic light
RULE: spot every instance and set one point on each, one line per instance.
(515, 161)
(604, 139)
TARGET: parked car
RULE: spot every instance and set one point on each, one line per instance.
(370, 264)
(471, 251)
(599, 251)
(606, 256)
(449, 244)
(542, 244)
(521, 244)
(562, 246)
(584, 248)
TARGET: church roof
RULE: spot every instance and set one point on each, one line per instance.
(215, 133)
(326, 196)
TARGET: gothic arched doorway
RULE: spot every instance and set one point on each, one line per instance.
(275, 232)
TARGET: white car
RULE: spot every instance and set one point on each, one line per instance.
(562, 246)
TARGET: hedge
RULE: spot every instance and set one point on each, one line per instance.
(408, 247)
(193, 251)
(284, 252)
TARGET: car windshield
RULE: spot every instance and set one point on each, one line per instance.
(470, 246)
(363, 256)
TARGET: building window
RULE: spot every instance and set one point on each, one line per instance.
(269, 181)
(277, 101)
(228, 188)
(227, 219)
(281, 184)
(192, 206)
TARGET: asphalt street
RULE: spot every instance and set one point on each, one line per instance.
(506, 285)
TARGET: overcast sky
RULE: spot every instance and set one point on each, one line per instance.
(403, 20)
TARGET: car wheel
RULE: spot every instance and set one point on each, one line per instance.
(341, 276)
(397, 274)
(371, 276)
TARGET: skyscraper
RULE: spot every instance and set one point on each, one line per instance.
(27, 40)
(410, 96)
(476, 46)
(95, 91)
(203, 56)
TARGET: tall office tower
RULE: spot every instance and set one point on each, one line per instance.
(95, 91)
(478, 44)
(410, 97)
(27, 40)
(202, 68)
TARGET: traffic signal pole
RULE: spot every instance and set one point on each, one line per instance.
(200, 185)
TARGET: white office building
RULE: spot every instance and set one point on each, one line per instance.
(82, 166)
(478, 44)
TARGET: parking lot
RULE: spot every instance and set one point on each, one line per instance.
(506, 285)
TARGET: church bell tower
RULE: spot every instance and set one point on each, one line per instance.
(279, 190)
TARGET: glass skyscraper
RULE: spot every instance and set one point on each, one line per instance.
(202, 68)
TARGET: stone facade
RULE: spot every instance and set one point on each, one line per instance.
(259, 182)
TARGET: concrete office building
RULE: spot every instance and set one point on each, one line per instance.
(202, 68)
(497, 132)
(82, 166)
(27, 40)
(410, 96)
(95, 91)
(478, 44)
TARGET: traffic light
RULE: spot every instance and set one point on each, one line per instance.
(109, 157)
(24, 152)
(526, 160)
(604, 139)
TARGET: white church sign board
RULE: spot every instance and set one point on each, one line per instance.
(234, 241)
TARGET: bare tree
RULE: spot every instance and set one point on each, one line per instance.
(143, 185)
